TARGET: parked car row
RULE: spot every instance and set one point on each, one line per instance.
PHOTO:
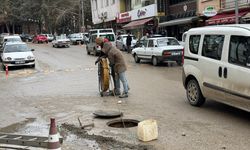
(61, 41)
(77, 38)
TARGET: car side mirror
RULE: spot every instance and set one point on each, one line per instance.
(32, 50)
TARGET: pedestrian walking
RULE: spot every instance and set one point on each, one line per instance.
(117, 65)
(128, 42)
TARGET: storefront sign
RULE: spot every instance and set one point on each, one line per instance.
(144, 12)
(209, 11)
(123, 17)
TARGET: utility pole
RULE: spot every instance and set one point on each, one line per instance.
(82, 14)
(236, 12)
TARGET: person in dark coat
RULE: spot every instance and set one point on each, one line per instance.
(128, 42)
(117, 64)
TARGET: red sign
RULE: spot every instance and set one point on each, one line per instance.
(123, 17)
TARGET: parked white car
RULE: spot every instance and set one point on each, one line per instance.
(50, 37)
(217, 65)
(17, 54)
(76, 38)
(121, 42)
(10, 38)
(61, 41)
(159, 50)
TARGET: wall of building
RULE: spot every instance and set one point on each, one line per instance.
(202, 4)
(101, 12)
(181, 8)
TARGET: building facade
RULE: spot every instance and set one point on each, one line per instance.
(227, 15)
(104, 12)
(180, 16)
(141, 19)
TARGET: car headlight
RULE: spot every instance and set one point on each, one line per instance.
(30, 57)
(8, 59)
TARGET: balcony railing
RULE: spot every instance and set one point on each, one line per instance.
(230, 4)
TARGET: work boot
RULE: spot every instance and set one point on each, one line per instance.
(124, 95)
(116, 93)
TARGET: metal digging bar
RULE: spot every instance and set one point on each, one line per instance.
(25, 140)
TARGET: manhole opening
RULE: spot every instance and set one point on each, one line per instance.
(123, 123)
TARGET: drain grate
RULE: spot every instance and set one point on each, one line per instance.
(123, 123)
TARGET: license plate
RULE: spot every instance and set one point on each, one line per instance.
(175, 53)
(20, 62)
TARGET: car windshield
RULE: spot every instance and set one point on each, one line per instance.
(110, 37)
(167, 42)
(12, 40)
(16, 48)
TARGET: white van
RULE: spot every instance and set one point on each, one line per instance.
(97, 31)
(217, 65)
(95, 49)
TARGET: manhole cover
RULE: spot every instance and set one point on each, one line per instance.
(107, 114)
(123, 123)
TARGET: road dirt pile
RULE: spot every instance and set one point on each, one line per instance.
(104, 142)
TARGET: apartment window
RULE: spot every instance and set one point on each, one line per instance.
(107, 2)
(113, 1)
(212, 46)
(161, 4)
(239, 51)
(227, 4)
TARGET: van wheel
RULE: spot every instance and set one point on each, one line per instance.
(194, 94)
(137, 59)
(154, 61)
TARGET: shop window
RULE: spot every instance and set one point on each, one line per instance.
(212, 46)
(194, 42)
(239, 51)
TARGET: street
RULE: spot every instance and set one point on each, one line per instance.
(64, 85)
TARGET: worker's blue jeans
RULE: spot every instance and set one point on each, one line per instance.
(121, 77)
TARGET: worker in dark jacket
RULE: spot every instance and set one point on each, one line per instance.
(128, 42)
(117, 63)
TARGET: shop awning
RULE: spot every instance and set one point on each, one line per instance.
(223, 18)
(136, 24)
(177, 21)
(246, 17)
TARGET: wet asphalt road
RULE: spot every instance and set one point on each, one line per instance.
(64, 85)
